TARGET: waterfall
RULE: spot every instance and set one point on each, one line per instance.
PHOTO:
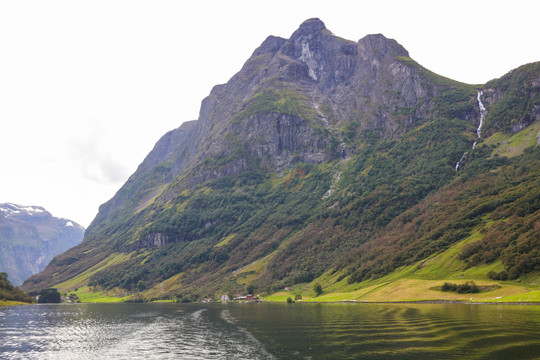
(478, 133)
(458, 164)
(482, 115)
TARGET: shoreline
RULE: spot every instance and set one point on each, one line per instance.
(434, 302)
(442, 302)
(13, 303)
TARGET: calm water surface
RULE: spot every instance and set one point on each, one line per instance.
(269, 331)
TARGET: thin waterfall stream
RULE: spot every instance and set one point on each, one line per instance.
(482, 115)
(478, 130)
(458, 164)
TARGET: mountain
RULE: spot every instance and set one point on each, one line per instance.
(30, 237)
(324, 160)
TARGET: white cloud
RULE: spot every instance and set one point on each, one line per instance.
(96, 151)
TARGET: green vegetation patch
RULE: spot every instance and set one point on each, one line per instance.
(279, 101)
(82, 278)
(12, 303)
(521, 95)
(86, 295)
(469, 287)
(225, 240)
(10, 294)
(514, 145)
(529, 296)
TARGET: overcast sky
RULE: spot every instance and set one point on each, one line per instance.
(88, 87)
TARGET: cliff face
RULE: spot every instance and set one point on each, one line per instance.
(30, 237)
(318, 148)
(303, 100)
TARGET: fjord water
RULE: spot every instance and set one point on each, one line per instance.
(270, 331)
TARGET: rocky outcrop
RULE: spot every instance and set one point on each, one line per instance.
(513, 101)
(156, 240)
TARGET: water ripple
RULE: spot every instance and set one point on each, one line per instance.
(268, 331)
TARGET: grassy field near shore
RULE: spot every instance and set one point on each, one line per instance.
(422, 282)
(11, 303)
(406, 290)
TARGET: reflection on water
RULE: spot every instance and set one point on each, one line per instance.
(269, 331)
(122, 331)
(406, 331)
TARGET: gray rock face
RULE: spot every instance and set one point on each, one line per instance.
(156, 240)
(30, 237)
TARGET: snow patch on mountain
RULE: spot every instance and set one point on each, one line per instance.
(12, 209)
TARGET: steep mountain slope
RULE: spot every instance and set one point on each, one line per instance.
(305, 163)
(10, 294)
(30, 237)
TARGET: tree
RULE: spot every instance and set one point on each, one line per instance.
(10, 292)
(4, 282)
(318, 289)
(503, 275)
(49, 296)
(250, 289)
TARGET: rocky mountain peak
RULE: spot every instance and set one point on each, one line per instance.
(9, 209)
(310, 26)
(315, 47)
(271, 45)
(379, 46)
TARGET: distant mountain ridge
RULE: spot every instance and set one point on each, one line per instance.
(30, 237)
(309, 164)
